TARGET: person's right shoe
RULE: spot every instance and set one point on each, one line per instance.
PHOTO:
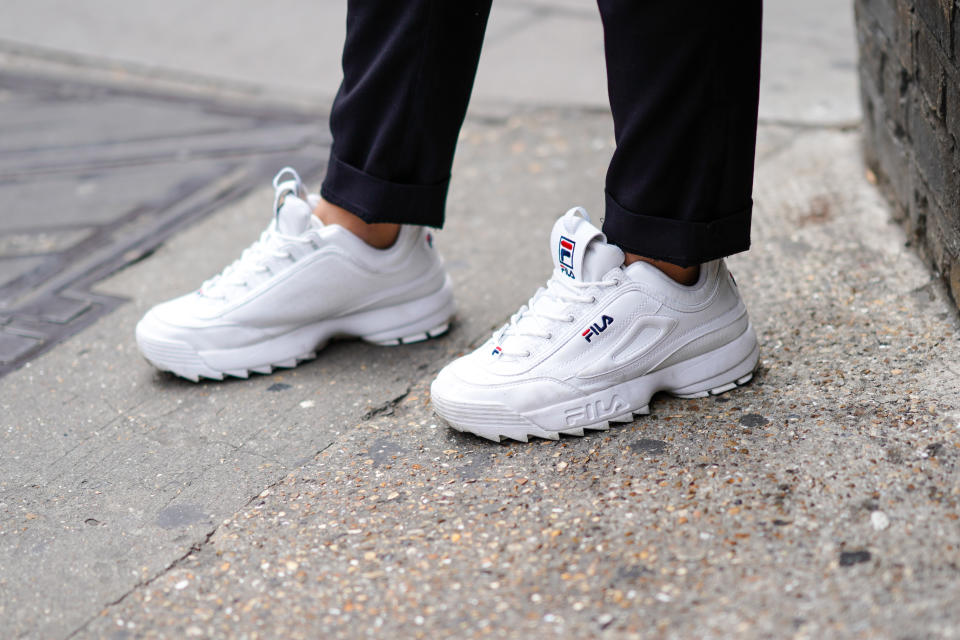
(301, 284)
(597, 343)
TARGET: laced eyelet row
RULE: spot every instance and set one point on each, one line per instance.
(557, 288)
(255, 259)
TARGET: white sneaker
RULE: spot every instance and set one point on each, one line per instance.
(595, 345)
(299, 285)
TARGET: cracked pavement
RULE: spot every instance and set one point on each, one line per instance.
(819, 501)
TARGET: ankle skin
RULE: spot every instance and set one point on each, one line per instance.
(681, 275)
(377, 235)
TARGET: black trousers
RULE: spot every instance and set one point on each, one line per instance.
(683, 84)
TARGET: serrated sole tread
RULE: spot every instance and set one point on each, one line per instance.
(195, 374)
(580, 431)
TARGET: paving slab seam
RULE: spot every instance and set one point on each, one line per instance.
(546, 8)
(537, 12)
(50, 60)
(38, 60)
(382, 411)
(195, 548)
(842, 126)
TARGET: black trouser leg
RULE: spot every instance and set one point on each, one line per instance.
(408, 71)
(684, 85)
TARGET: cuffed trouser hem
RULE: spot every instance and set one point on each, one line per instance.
(376, 200)
(680, 242)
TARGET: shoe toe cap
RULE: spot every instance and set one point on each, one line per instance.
(464, 383)
(167, 321)
(182, 320)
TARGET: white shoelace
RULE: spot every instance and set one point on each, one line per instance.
(271, 245)
(535, 319)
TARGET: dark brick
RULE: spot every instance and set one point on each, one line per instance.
(933, 151)
(910, 90)
(930, 72)
(929, 233)
(941, 225)
(869, 97)
(873, 53)
(903, 37)
(956, 36)
(937, 15)
(953, 112)
(894, 160)
(951, 199)
(919, 203)
(882, 12)
(886, 147)
(941, 238)
(896, 85)
(870, 153)
(954, 280)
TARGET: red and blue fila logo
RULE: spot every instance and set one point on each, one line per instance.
(597, 328)
(566, 256)
(497, 351)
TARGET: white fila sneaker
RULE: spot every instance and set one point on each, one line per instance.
(597, 343)
(298, 286)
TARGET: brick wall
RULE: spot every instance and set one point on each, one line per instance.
(910, 88)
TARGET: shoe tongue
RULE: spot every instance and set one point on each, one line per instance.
(294, 216)
(580, 250)
(292, 212)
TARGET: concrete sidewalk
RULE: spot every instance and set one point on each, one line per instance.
(820, 501)
(541, 53)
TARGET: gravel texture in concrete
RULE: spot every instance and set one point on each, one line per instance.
(819, 501)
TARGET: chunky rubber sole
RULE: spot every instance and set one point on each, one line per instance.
(712, 373)
(409, 322)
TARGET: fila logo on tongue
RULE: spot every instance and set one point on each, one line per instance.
(566, 249)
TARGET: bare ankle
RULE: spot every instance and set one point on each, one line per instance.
(379, 235)
(681, 275)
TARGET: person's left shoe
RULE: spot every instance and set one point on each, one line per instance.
(299, 286)
(597, 343)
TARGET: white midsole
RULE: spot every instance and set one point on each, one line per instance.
(394, 322)
(711, 370)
